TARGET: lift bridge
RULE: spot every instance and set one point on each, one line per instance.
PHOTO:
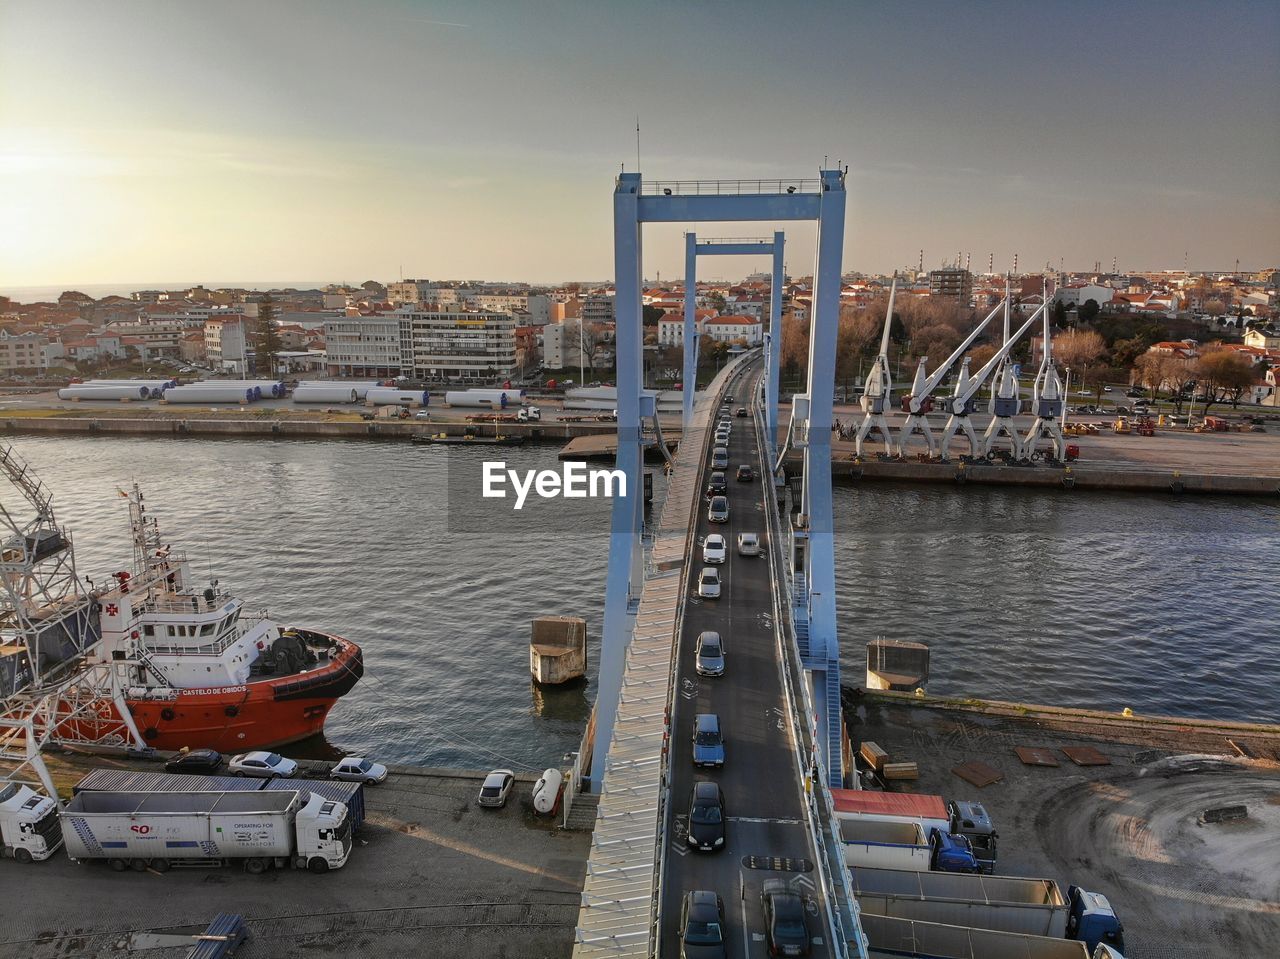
(778, 701)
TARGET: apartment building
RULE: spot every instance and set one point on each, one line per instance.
(226, 342)
(457, 345)
(562, 347)
(363, 346)
(734, 329)
(953, 282)
(23, 351)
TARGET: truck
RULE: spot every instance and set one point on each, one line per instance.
(30, 830)
(158, 830)
(958, 818)
(902, 845)
(1034, 907)
(891, 936)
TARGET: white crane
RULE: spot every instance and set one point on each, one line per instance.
(919, 402)
(1006, 396)
(1048, 399)
(877, 395)
(961, 403)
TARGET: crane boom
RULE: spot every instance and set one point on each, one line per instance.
(960, 401)
(915, 403)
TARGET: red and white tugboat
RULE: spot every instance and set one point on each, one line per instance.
(202, 670)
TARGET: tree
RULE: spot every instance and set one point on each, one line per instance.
(1225, 375)
(1081, 350)
(1058, 314)
(854, 336)
(795, 344)
(268, 346)
(652, 314)
(1215, 308)
(1089, 311)
(936, 340)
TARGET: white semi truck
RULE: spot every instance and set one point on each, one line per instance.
(29, 827)
(932, 940)
(157, 830)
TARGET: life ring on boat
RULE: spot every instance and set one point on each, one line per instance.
(232, 711)
(167, 714)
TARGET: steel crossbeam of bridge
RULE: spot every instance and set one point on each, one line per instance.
(694, 248)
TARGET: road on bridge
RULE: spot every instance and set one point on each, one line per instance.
(767, 836)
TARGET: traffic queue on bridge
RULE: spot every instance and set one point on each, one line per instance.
(922, 868)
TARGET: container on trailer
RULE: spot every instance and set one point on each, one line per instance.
(888, 845)
(30, 830)
(155, 829)
(350, 794)
(905, 937)
(929, 811)
(1032, 906)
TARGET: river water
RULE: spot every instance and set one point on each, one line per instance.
(1166, 605)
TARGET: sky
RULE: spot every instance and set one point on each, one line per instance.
(239, 141)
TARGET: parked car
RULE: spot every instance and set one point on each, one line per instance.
(702, 926)
(718, 511)
(1133, 394)
(263, 765)
(708, 743)
(745, 475)
(706, 817)
(709, 583)
(716, 485)
(708, 658)
(785, 928)
(1106, 389)
(496, 788)
(714, 549)
(748, 544)
(199, 762)
(422, 415)
(741, 412)
(359, 770)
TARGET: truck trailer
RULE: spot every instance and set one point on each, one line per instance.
(958, 818)
(158, 830)
(889, 936)
(29, 826)
(1033, 907)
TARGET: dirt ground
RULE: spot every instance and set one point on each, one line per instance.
(1128, 830)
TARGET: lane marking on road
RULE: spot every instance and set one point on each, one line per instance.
(780, 822)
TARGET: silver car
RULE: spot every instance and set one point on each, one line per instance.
(709, 659)
(718, 511)
(263, 765)
(709, 583)
(496, 788)
(357, 769)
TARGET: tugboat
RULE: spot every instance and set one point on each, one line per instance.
(150, 660)
(205, 671)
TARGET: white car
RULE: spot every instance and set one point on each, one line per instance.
(496, 788)
(714, 549)
(748, 544)
(709, 583)
(263, 765)
(422, 415)
(356, 769)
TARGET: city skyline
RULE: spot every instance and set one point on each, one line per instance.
(452, 140)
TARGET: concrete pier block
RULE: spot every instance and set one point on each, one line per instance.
(897, 664)
(558, 649)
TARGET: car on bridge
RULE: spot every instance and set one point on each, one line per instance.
(709, 583)
(709, 658)
(745, 474)
(706, 817)
(718, 511)
(741, 413)
(714, 549)
(717, 485)
(748, 544)
(702, 926)
(720, 458)
(785, 928)
(708, 743)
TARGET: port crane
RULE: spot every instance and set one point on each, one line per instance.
(1047, 399)
(877, 395)
(1006, 396)
(960, 405)
(919, 402)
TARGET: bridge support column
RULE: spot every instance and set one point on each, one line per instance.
(626, 549)
(690, 326)
(773, 347)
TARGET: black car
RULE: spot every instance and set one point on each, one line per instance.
(702, 926)
(741, 413)
(195, 761)
(716, 485)
(744, 474)
(729, 399)
(785, 927)
(706, 817)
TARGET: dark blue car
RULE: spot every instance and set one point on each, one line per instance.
(708, 744)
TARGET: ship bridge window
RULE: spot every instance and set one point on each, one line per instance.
(208, 628)
(148, 630)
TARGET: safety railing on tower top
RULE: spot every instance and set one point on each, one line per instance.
(729, 187)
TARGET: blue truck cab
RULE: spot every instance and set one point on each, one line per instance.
(951, 853)
(708, 744)
(1093, 921)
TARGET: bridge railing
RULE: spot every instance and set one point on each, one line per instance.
(843, 923)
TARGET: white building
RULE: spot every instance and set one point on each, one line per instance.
(562, 346)
(407, 292)
(1077, 294)
(363, 346)
(226, 342)
(24, 351)
(732, 329)
(671, 330)
(456, 345)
